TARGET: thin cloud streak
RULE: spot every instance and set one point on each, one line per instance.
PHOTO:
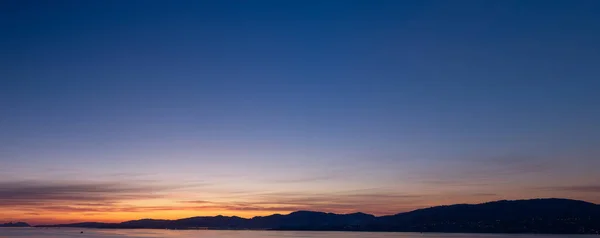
(42, 192)
(485, 172)
(115, 197)
(376, 202)
(109, 199)
(579, 189)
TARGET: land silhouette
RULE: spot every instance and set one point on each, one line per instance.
(15, 224)
(552, 215)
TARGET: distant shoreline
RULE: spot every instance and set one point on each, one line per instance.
(364, 231)
(533, 216)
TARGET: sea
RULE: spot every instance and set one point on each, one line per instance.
(149, 233)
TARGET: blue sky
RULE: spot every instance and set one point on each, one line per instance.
(431, 99)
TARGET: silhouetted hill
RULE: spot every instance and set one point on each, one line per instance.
(222, 222)
(143, 223)
(520, 216)
(308, 220)
(16, 224)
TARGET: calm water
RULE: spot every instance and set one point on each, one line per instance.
(93, 233)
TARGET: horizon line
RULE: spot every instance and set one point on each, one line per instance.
(314, 211)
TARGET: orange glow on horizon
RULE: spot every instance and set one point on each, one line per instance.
(116, 217)
(41, 217)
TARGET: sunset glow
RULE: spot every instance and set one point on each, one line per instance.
(119, 110)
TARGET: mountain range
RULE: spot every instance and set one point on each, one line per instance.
(16, 224)
(560, 216)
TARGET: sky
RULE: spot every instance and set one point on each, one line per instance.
(118, 110)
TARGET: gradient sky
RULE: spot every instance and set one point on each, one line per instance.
(117, 110)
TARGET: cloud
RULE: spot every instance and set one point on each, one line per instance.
(89, 193)
(311, 179)
(109, 209)
(577, 188)
(93, 198)
(114, 197)
(376, 201)
(482, 194)
(197, 202)
(486, 171)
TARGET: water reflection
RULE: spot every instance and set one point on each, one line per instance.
(107, 233)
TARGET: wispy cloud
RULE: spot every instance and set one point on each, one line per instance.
(311, 179)
(371, 201)
(94, 198)
(485, 172)
(89, 193)
(481, 194)
(43, 197)
(576, 188)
